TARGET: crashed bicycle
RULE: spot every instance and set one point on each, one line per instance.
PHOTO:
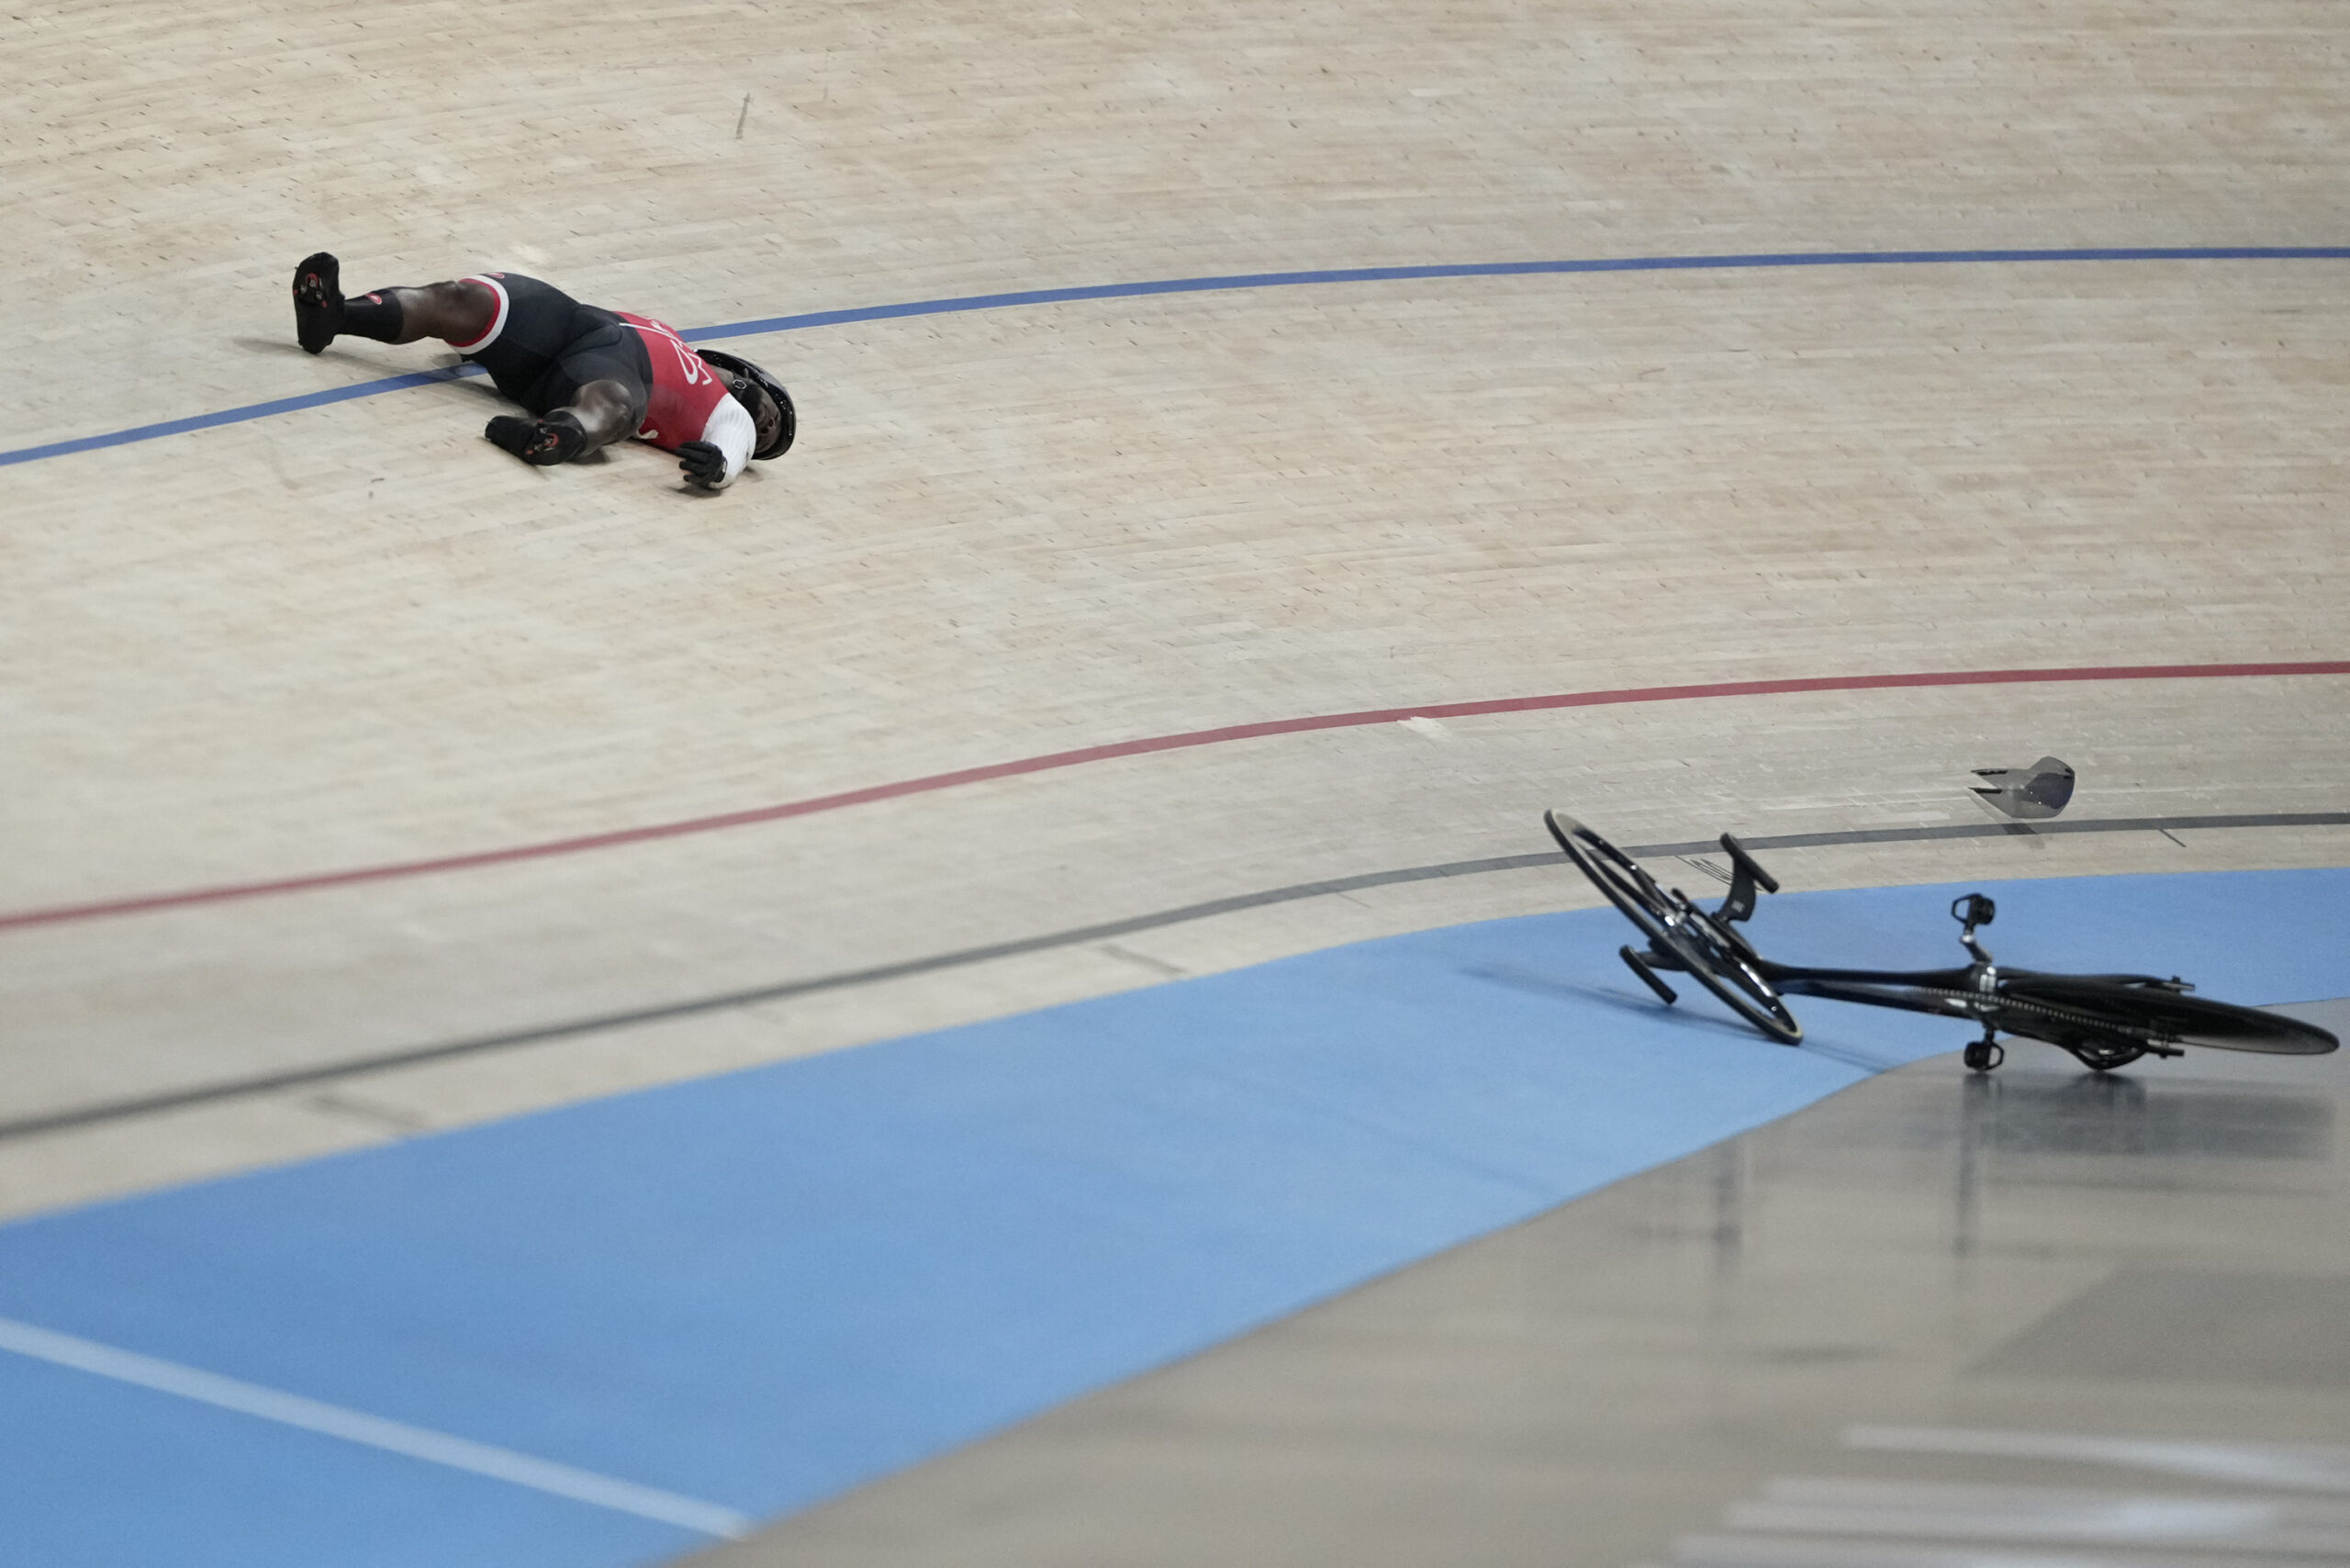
(2105, 1021)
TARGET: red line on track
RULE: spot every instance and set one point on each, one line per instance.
(62, 913)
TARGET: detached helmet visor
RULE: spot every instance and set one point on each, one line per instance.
(747, 381)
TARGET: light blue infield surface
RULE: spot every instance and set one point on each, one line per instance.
(600, 1335)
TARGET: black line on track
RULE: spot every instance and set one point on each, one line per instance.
(232, 1089)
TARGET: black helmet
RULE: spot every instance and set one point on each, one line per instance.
(742, 376)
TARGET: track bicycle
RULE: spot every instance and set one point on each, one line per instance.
(2105, 1021)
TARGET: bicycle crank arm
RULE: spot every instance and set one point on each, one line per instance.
(1639, 963)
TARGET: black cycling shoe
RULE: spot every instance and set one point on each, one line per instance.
(542, 443)
(317, 301)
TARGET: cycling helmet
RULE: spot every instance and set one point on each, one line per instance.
(744, 379)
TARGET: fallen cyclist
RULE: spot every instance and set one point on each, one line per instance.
(587, 376)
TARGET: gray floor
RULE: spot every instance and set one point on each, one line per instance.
(1902, 1329)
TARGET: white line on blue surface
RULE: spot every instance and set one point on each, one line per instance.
(375, 1431)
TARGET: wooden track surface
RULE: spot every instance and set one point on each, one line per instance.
(357, 634)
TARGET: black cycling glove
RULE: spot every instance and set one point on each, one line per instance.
(702, 463)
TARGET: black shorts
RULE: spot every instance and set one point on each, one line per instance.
(543, 345)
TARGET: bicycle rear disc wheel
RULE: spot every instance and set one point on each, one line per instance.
(2178, 1019)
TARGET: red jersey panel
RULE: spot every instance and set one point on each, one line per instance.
(684, 390)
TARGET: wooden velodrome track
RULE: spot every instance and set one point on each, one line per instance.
(355, 635)
(354, 638)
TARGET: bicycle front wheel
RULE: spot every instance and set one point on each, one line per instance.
(1711, 954)
(1616, 874)
(1725, 971)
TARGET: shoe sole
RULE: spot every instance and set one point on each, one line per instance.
(318, 289)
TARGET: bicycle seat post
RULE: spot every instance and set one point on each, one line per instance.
(1971, 911)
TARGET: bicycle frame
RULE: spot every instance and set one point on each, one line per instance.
(1981, 994)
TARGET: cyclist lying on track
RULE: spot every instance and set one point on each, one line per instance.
(587, 376)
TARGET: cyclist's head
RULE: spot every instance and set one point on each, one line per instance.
(769, 405)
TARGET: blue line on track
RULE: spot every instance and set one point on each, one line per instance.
(1213, 285)
(234, 416)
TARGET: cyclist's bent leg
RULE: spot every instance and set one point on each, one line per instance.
(593, 394)
(606, 410)
(599, 414)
